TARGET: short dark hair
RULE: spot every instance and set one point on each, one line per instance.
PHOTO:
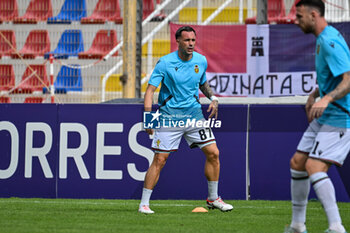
(184, 28)
(317, 4)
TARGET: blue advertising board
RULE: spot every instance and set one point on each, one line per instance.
(275, 131)
(102, 151)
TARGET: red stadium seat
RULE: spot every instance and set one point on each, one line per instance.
(148, 8)
(8, 10)
(38, 10)
(105, 10)
(33, 81)
(33, 100)
(290, 18)
(7, 77)
(275, 11)
(104, 41)
(5, 99)
(7, 37)
(37, 44)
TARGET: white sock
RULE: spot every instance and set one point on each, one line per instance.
(146, 195)
(338, 227)
(325, 192)
(300, 188)
(213, 190)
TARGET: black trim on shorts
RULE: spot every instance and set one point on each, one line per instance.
(163, 151)
(195, 144)
(303, 152)
(327, 161)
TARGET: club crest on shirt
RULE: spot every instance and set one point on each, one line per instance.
(318, 49)
(158, 142)
(196, 69)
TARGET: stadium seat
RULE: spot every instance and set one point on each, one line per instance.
(30, 81)
(33, 100)
(275, 11)
(38, 10)
(70, 44)
(104, 41)
(5, 48)
(148, 8)
(290, 18)
(68, 79)
(8, 10)
(37, 44)
(105, 10)
(72, 10)
(7, 77)
(5, 99)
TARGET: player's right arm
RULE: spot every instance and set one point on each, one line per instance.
(310, 101)
(213, 107)
(154, 81)
(339, 92)
(148, 100)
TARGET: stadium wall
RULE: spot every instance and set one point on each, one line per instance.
(100, 151)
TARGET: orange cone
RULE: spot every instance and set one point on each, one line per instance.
(199, 210)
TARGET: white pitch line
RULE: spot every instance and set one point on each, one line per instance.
(132, 204)
(92, 203)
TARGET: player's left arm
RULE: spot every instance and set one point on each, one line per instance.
(213, 107)
(339, 92)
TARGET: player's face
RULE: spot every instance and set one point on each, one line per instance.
(186, 43)
(305, 19)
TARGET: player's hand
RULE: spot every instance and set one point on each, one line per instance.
(318, 108)
(310, 101)
(213, 109)
(149, 131)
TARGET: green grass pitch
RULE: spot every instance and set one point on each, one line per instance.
(98, 216)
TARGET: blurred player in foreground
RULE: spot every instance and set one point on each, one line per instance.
(181, 74)
(327, 139)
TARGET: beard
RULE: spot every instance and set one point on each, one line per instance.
(308, 28)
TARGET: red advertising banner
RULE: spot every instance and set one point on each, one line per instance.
(223, 46)
(255, 60)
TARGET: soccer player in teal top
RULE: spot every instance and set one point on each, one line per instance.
(327, 139)
(181, 74)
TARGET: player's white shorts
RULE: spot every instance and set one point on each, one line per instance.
(167, 140)
(325, 142)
